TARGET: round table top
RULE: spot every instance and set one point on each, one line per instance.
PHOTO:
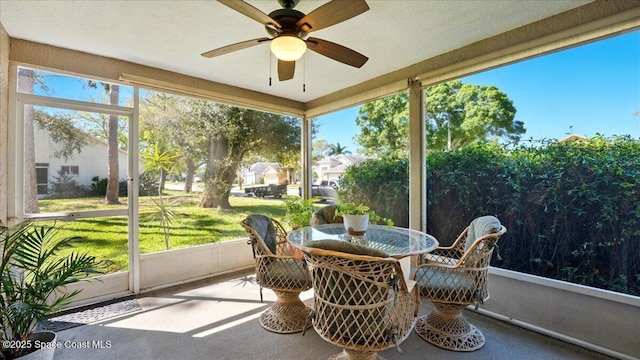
(395, 241)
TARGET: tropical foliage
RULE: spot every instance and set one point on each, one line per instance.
(32, 273)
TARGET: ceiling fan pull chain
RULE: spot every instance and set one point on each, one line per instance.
(270, 67)
(304, 73)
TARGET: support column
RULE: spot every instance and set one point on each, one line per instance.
(133, 188)
(307, 171)
(4, 124)
(417, 158)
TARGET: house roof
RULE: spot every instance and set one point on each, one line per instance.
(427, 40)
(260, 167)
(573, 137)
(350, 159)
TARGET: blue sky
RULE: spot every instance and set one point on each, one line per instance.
(594, 88)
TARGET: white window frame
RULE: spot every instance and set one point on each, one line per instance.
(15, 213)
(16, 126)
(42, 166)
(69, 170)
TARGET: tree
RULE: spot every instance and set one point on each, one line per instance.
(456, 115)
(60, 128)
(336, 149)
(459, 114)
(62, 132)
(113, 167)
(166, 122)
(384, 126)
(319, 149)
(234, 133)
(26, 80)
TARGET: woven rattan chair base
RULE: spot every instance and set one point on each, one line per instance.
(288, 315)
(449, 330)
(356, 355)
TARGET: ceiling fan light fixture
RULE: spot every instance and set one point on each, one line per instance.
(288, 47)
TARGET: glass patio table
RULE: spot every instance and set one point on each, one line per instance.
(395, 241)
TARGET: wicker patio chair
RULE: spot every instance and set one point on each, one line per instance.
(454, 277)
(278, 269)
(325, 215)
(362, 302)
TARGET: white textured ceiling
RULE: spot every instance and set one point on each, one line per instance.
(171, 35)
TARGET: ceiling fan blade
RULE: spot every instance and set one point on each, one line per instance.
(286, 70)
(331, 13)
(234, 47)
(336, 52)
(250, 11)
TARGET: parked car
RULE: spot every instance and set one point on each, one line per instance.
(267, 190)
(326, 190)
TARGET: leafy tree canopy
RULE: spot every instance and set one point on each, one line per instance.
(235, 133)
(463, 113)
(384, 126)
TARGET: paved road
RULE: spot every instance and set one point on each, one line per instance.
(235, 191)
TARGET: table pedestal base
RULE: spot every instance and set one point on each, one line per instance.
(356, 355)
(446, 328)
(287, 315)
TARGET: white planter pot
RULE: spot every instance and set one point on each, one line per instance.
(45, 342)
(356, 224)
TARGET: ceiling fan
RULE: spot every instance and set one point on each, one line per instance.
(288, 30)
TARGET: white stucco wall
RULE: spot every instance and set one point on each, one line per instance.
(92, 160)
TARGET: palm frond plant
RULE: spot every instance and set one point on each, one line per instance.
(161, 162)
(33, 274)
(162, 215)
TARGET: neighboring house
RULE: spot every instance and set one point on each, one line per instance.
(273, 174)
(90, 162)
(333, 167)
(264, 173)
(573, 137)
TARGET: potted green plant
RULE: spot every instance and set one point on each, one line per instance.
(299, 211)
(33, 274)
(358, 217)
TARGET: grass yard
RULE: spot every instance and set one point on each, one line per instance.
(107, 238)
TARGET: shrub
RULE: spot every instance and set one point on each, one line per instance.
(98, 187)
(382, 184)
(148, 184)
(299, 211)
(65, 186)
(572, 209)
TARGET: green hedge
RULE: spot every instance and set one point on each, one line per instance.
(572, 209)
(381, 184)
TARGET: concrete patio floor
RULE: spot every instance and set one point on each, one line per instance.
(218, 319)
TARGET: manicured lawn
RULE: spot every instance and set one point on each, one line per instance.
(106, 238)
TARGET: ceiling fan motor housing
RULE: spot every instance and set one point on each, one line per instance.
(288, 19)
